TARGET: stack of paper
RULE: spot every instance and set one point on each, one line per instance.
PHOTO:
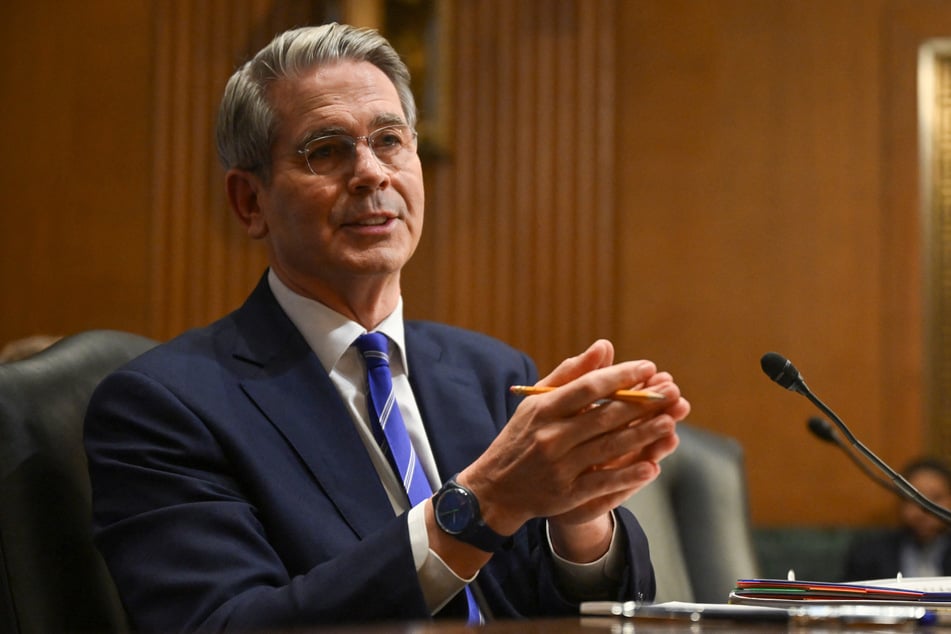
(918, 591)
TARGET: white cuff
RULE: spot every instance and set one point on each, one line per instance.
(581, 579)
(438, 581)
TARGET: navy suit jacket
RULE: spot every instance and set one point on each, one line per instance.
(231, 490)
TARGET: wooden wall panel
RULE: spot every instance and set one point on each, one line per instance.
(757, 199)
(518, 221)
(75, 168)
(699, 181)
(765, 138)
(766, 231)
(908, 278)
(203, 264)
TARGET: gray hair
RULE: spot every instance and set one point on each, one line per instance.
(247, 123)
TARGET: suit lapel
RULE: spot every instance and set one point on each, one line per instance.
(457, 422)
(286, 382)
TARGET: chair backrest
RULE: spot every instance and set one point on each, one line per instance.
(696, 517)
(52, 579)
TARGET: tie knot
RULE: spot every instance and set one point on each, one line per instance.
(374, 348)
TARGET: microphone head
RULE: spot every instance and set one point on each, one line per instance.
(822, 429)
(779, 369)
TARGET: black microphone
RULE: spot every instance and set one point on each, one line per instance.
(779, 369)
(823, 430)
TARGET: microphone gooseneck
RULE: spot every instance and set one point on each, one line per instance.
(779, 369)
(824, 431)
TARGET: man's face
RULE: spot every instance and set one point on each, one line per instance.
(924, 525)
(361, 221)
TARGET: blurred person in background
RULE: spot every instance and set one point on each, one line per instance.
(919, 546)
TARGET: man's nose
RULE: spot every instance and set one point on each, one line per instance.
(367, 167)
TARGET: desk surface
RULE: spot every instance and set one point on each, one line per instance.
(611, 625)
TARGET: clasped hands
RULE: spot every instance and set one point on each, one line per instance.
(568, 459)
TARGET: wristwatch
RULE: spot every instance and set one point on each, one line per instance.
(457, 513)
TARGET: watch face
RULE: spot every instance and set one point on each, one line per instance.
(454, 511)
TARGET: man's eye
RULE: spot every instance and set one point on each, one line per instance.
(388, 139)
(327, 149)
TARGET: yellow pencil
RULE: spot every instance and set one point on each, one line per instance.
(632, 396)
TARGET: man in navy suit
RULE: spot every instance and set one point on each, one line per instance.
(237, 482)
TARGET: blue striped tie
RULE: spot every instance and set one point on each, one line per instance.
(390, 431)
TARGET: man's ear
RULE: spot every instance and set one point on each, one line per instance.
(243, 189)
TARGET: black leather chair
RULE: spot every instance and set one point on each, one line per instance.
(53, 579)
(696, 517)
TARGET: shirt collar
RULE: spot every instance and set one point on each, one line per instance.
(328, 333)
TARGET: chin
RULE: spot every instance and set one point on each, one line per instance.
(381, 261)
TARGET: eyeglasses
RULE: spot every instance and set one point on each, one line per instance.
(391, 145)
